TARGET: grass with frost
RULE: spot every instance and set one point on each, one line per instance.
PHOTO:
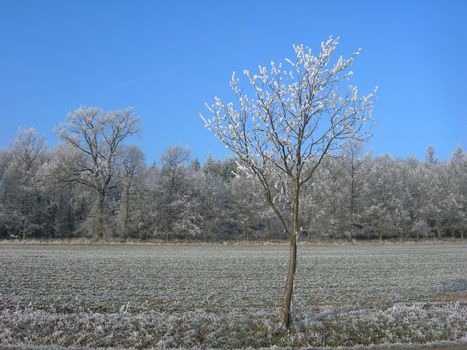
(165, 296)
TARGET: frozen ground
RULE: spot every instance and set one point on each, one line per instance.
(162, 296)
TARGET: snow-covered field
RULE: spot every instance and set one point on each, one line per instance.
(182, 295)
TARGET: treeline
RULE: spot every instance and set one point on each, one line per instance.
(44, 194)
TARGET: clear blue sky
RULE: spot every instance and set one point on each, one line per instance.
(166, 58)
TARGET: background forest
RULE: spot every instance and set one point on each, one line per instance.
(354, 195)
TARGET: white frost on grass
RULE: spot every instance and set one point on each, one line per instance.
(228, 296)
(400, 324)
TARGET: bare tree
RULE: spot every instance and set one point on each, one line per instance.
(174, 160)
(247, 204)
(132, 165)
(28, 154)
(352, 163)
(282, 133)
(96, 136)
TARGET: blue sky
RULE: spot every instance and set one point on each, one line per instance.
(166, 58)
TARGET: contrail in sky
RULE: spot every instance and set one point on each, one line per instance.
(128, 82)
(152, 76)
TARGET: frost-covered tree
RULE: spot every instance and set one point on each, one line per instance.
(131, 168)
(147, 205)
(455, 202)
(249, 207)
(283, 125)
(436, 191)
(415, 198)
(20, 185)
(4, 163)
(96, 136)
(71, 200)
(384, 214)
(219, 210)
(191, 218)
(173, 170)
(334, 187)
(353, 162)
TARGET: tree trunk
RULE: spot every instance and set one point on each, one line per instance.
(25, 207)
(168, 224)
(23, 231)
(352, 203)
(205, 230)
(404, 233)
(126, 213)
(269, 229)
(380, 229)
(289, 284)
(100, 215)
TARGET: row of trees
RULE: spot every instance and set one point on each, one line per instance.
(92, 185)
